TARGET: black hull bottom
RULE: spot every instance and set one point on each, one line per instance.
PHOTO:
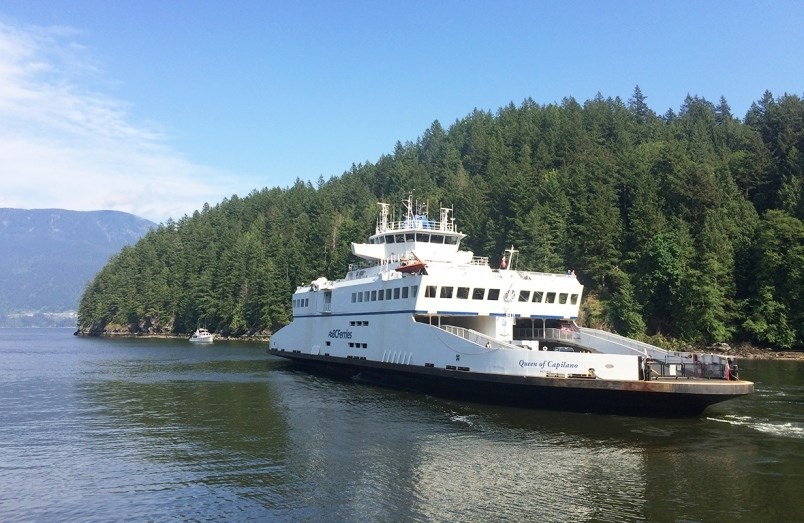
(649, 399)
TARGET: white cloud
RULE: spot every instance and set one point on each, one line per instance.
(66, 144)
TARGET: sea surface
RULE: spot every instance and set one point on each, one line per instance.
(162, 430)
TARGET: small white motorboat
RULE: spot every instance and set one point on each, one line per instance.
(202, 335)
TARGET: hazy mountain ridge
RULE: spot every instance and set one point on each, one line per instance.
(47, 256)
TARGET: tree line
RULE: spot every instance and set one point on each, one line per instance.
(683, 227)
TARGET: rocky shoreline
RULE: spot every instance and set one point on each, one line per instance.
(743, 351)
(746, 351)
(253, 338)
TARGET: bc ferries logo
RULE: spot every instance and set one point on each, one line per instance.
(339, 334)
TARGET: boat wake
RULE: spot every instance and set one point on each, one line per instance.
(786, 430)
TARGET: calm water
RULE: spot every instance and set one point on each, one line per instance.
(160, 430)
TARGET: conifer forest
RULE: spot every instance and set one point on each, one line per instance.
(684, 227)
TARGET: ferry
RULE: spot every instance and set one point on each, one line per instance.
(420, 313)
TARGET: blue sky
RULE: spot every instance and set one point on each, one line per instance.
(156, 107)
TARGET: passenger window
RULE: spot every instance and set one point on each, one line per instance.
(463, 293)
(477, 294)
(387, 294)
(574, 299)
(551, 297)
(396, 293)
(446, 292)
(404, 292)
(381, 295)
(494, 295)
(562, 298)
(414, 291)
(373, 295)
(537, 296)
(524, 295)
(430, 291)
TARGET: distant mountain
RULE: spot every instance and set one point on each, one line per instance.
(47, 256)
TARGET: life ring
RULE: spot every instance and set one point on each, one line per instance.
(509, 296)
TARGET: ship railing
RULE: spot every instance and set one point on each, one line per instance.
(477, 338)
(671, 363)
(683, 370)
(357, 270)
(419, 224)
(554, 334)
(596, 337)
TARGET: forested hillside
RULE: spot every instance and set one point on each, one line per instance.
(684, 226)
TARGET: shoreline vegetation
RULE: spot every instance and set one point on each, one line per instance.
(742, 351)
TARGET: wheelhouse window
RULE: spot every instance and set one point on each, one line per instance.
(430, 291)
(538, 296)
(524, 295)
(463, 293)
(451, 240)
(389, 239)
(422, 237)
(436, 238)
(446, 292)
(478, 293)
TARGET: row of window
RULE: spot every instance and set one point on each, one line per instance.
(358, 345)
(395, 293)
(464, 293)
(425, 237)
(479, 293)
(361, 323)
(301, 302)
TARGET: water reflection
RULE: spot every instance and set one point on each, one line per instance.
(157, 431)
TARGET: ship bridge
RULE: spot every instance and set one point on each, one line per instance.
(416, 237)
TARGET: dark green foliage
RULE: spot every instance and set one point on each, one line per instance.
(658, 216)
